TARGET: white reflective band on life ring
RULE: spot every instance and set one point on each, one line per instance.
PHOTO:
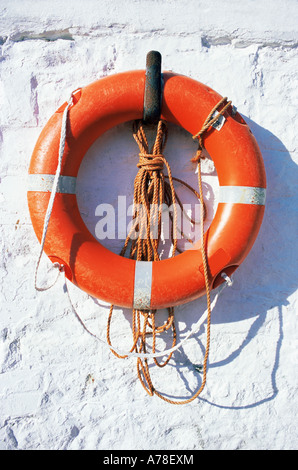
(242, 195)
(44, 183)
(143, 285)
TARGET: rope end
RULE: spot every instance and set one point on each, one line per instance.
(198, 156)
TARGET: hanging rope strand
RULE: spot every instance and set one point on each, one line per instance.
(213, 116)
(208, 328)
(151, 190)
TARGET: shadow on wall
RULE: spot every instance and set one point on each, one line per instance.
(268, 275)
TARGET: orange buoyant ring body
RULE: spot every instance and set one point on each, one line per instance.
(141, 284)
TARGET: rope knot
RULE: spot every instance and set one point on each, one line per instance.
(151, 162)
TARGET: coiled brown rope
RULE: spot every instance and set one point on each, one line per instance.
(151, 191)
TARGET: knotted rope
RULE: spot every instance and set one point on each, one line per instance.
(151, 191)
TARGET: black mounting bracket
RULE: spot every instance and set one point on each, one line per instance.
(153, 88)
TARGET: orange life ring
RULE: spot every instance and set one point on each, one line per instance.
(126, 282)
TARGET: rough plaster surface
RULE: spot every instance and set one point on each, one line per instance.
(59, 387)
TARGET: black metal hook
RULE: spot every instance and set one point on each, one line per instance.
(153, 88)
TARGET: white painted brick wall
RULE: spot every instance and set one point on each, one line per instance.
(59, 387)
